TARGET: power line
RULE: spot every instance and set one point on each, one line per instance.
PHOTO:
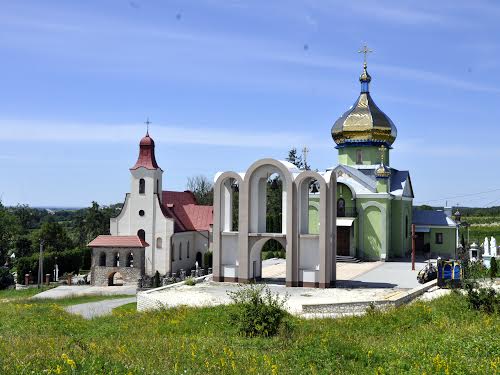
(460, 196)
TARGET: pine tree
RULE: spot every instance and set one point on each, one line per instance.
(295, 158)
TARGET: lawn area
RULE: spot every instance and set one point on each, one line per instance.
(438, 337)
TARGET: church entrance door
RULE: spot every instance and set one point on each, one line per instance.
(343, 240)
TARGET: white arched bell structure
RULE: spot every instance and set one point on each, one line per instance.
(310, 258)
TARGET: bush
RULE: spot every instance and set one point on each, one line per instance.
(484, 299)
(6, 278)
(156, 280)
(69, 261)
(207, 259)
(267, 255)
(258, 312)
(493, 268)
(190, 281)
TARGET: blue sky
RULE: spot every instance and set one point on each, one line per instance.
(227, 82)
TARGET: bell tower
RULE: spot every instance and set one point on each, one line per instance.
(146, 198)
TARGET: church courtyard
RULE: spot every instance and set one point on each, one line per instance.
(358, 286)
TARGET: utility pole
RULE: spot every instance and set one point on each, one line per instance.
(40, 265)
(413, 246)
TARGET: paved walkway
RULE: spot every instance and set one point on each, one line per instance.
(275, 268)
(67, 291)
(387, 275)
(94, 309)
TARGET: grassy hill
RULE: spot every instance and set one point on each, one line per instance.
(439, 337)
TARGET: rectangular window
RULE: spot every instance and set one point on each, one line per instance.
(439, 238)
(359, 157)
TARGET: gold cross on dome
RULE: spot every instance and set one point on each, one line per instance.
(365, 50)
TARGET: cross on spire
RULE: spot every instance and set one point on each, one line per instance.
(305, 151)
(365, 51)
(147, 122)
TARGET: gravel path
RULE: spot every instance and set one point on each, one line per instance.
(67, 291)
(94, 309)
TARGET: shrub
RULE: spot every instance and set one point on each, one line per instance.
(68, 261)
(258, 312)
(207, 259)
(267, 255)
(484, 299)
(156, 280)
(190, 281)
(6, 278)
(493, 267)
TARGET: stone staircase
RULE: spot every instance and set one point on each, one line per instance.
(347, 259)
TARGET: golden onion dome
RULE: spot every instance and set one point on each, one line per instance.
(364, 122)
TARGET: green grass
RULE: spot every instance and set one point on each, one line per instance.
(21, 293)
(126, 309)
(440, 337)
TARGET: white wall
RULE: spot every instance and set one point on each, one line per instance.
(308, 252)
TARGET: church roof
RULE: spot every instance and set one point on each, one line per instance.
(364, 180)
(146, 157)
(364, 122)
(428, 217)
(188, 215)
(117, 241)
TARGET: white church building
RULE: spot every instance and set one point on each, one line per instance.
(176, 229)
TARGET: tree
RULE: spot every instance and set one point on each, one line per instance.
(54, 235)
(202, 189)
(6, 278)
(295, 158)
(9, 230)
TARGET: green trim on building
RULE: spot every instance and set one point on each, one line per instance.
(370, 155)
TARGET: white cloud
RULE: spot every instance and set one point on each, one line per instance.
(36, 131)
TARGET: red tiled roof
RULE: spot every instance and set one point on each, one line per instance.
(146, 157)
(117, 241)
(188, 216)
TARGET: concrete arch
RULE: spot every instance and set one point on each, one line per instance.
(382, 227)
(254, 206)
(223, 200)
(256, 185)
(313, 246)
(234, 252)
(256, 245)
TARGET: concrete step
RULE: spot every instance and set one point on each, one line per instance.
(347, 259)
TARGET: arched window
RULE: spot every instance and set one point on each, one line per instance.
(158, 186)
(142, 186)
(116, 260)
(406, 226)
(130, 260)
(172, 252)
(159, 243)
(102, 259)
(188, 250)
(341, 207)
(180, 251)
(141, 234)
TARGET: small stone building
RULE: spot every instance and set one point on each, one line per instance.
(117, 260)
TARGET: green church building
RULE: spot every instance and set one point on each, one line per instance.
(375, 201)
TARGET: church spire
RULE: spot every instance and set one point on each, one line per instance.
(146, 157)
